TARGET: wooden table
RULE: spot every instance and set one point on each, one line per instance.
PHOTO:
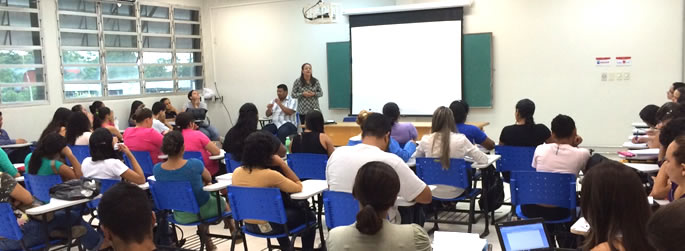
(341, 132)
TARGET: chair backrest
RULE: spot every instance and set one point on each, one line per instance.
(193, 155)
(350, 119)
(515, 158)
(257, 203)
(308, 165)
(144, 160)
(80, 152)
(174, 195)
(556, 189)
(458, 175)
(231, 164)
(9, 228)
(341, 208)
(105, 184)
(39, 185)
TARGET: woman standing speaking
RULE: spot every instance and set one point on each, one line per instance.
(307, 91)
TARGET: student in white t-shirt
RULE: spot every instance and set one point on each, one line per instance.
(105, 162)
(159, 118)
(345, 161)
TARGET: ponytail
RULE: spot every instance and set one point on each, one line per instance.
(99, 116)
(49, 146)
(368, 221)
(526, 109)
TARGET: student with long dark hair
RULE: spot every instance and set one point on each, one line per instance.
(376, 186)
(248, 117)
(674, 167)
(81, 108)
(313, 139)
(58, 124)
(104, 117)
(668, 132)
(143, 137)
(307, 91)
(402, 132)
(97, 104)
(135, 106)
(648, 116)
(614, 203)
(460, 109)
(665, 226)
(106, 163)
(78, 129)
(197, 141)
(45, 159)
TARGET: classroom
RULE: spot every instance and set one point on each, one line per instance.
(207, 85)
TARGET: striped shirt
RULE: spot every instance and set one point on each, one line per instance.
(307, 104)
(278, 117)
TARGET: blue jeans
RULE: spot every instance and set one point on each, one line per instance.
(282, 132)
(35, 235)
(211, 131)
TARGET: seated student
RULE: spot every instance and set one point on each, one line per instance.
(678, 96)
(248, 116)
(45, 159)
(667, 134)
(474, 134)
(6, 165)
(376, 186)
(648, 116)
(159, 119)
(135, 106)
(444, 143)
(81, 108)
(663, 225)
(104, 117)
(5, 137)
(261, 168)
(169, 109)
(120, 206)
(393, 147)
(196, 141)
(402, 132)
(198, 109)
(674, 166)
(143, 137)
(192, 170)
(525, 132)
(614, 204)
(672, 88)
(313, 139)
(282, 113)
(58, 124)
(106, 163)
(16, 155)
(78, 129)
(345, 161)
(20, 199)
(97, 104)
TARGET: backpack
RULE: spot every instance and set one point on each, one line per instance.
(84, 188)
(495, 191)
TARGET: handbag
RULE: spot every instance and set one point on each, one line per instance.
(84, 188)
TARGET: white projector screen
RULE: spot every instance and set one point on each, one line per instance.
(415, 64)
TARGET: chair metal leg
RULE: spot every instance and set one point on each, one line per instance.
(435, 222)
(244, 241)
(268, 244)
(472, 208)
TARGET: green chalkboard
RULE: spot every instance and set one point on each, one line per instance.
(477, 70)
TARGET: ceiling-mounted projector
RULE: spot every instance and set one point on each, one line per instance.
(322, 13)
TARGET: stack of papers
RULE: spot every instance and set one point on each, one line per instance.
(451, 240)
(633, 146)
(640, 125)
(639, 131)
(645, 154)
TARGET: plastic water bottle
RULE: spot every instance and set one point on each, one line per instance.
(287, 145)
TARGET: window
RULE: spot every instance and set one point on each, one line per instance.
(22, 75)
(122, 49)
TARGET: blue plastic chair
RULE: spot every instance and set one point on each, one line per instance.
(144, 160)
(350, 119)
(80, 152)
(262, 204)
(193, 155)
(179, 196)
(341, 208)
(39, 185)
(9, 229)
(231, 164)
(555, 189)
(308, 165)
(105, 184)
(457, 175)
(514, 158)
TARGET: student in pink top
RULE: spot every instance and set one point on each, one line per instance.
(143, 137)
(196, 141)
(563, 156)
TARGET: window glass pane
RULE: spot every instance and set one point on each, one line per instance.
(20, 38)
(121, 57)
(19, 19)
(187, 43)
(157, 57)
(81, 73)
(77, 22)
(157, 42)
(187, 29)
(154, 11)
(159, 86)
(22, 94)
(121, 41)
(80, 57)
(187, 15)
(156, 27)
(122, 72)
(21, 75)
(22, 3)
(118, 89)
(118, 9)
(114, 24)
(187, 85)
(158, 71)
(20, 57)
(188, 57)
(82, 90)
(184, 71)
(76, 5)
(79, 39)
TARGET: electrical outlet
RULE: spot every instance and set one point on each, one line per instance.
(612, 76)
(619, 76)
(626, 76)
(604, 76)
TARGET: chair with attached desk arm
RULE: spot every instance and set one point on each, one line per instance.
(341, 208)
(39, 185)
(514, 158)
(231, 164)
(308, 165)
(80, 152)
(193, 155)
(10, 229)
(144, 160)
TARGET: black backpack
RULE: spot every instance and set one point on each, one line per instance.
(495, 191)
(84, 188)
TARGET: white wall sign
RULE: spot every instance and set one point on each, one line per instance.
(623, 61)
(603, 61)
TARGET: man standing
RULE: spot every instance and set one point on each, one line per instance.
(282, 112)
